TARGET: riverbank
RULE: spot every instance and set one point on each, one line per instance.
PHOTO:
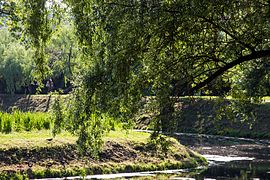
(37, 155)
(36, 103)
(210, 116)
(214, 116)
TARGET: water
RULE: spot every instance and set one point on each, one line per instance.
(237, 170)
(230, 158)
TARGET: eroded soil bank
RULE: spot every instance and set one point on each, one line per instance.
(37, 103)
(210, 116)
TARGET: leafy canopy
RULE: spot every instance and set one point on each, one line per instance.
(140, 47)
(16, 63)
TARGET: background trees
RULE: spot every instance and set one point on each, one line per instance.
(53, 46)
(16, 64)
(63, 54)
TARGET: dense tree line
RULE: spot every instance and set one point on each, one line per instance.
(20, 70)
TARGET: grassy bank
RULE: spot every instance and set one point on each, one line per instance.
(201, 117)
(197, 116)
(36, 155)
(208, 115)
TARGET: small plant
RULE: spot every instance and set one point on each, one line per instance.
(159, 144)
(27, 125)
(17, 119)
(58, 119)
(7, 125)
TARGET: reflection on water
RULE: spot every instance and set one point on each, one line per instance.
(231, 168)
(212, 159)
(244, 170)
(237, 170)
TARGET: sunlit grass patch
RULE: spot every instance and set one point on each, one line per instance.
(33, 139)
(127, 135)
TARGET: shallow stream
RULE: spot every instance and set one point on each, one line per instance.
(230, 158)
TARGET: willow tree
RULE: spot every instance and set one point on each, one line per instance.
(139, 47)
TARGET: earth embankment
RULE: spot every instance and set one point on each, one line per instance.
(36, 103)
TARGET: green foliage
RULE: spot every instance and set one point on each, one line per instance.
(236, 110)
(6, 124)
(89, 126)
(14, 176)
(16, 63)
(83, 121)
(63, 51)
(58, 119)
(38, 18)
(252, 81)
(160, 144)
(20, 121)
(190, 43)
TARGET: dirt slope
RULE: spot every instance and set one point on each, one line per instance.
(41, 103)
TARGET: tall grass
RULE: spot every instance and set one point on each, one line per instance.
(18, 121)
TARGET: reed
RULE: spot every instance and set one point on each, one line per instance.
(18, 121)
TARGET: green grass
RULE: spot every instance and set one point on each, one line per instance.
(39, 138)
(34, 139)
(121, 136)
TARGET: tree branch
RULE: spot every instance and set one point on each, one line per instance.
(3, 12)
(230, 34)
(252, 56)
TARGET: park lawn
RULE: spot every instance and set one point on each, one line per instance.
(36, 155)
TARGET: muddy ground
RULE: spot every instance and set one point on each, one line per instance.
(227, 146)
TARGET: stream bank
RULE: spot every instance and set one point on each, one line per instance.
(40, 156)
(229, 159)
